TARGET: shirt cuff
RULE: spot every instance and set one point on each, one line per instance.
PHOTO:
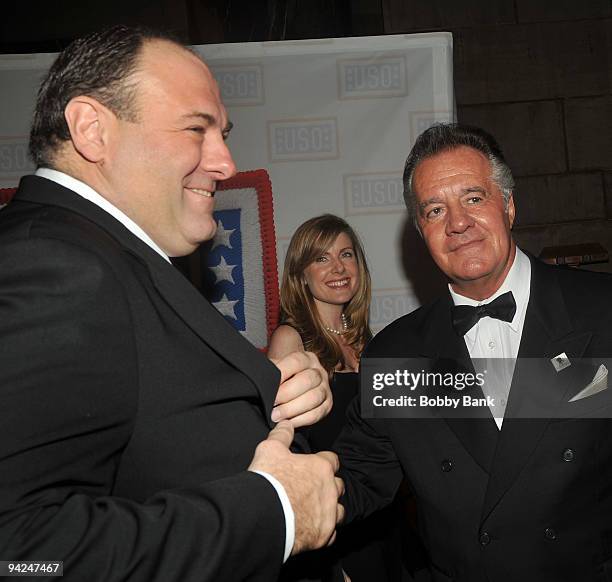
(287, 510)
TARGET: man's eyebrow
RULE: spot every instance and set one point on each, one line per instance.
(432, 200)
(207, 117)
(478, 189)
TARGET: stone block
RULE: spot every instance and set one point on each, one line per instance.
(534, 239)
(401, 16)
(366, 18)
(561, 198)
(588, 124)
(608, 189)
(541, 10)
(50, 21)
(530, 134)
(608, 56)
(533, 61)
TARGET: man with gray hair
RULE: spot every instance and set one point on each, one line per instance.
(502, 495)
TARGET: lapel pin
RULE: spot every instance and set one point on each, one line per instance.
(560, 362)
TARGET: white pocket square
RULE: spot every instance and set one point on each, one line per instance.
(597, 384)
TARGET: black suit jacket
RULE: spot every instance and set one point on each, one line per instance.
(532, 502)
(130, 409)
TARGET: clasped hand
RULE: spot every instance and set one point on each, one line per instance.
(304, 396)
(310, 483)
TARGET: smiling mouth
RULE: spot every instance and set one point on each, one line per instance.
(338, 284)
(200, 192)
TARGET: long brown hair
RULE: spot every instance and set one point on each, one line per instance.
(298, 308)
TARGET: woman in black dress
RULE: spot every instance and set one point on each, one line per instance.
(325, 295)
(325, 300)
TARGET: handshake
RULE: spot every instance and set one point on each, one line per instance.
(310, 481)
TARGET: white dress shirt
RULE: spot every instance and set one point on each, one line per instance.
(493, 339)
(90, 194)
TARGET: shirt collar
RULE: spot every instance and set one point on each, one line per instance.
(90, 194)
(517, 280)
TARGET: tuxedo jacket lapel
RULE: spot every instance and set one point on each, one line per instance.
(547, 332)
(212, 328)
(187, 302)
(478, 435)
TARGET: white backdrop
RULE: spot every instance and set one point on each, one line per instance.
(331, 120)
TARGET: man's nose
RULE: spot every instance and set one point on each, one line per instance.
(217, 159)
(458, 219)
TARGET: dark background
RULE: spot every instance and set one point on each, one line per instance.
(535, 73)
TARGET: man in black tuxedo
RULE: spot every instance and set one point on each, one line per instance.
(505, 495)
(134, 419)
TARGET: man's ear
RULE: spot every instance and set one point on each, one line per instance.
(90, 124)
(511, 210)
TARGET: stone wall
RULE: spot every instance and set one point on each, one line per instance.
(537, 74)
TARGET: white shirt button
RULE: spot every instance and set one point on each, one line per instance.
(492, 344)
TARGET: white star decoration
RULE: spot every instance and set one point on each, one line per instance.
(226, 307)
(222, 238)
(223, 271)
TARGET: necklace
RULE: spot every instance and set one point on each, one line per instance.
(344, 326)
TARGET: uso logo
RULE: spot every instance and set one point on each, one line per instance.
(14, 159)
(305, 139)
(379, 77)
(389, 304)
(240, 85)
(422, 120)
(377, 191)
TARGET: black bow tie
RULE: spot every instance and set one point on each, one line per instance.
(465, 317)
